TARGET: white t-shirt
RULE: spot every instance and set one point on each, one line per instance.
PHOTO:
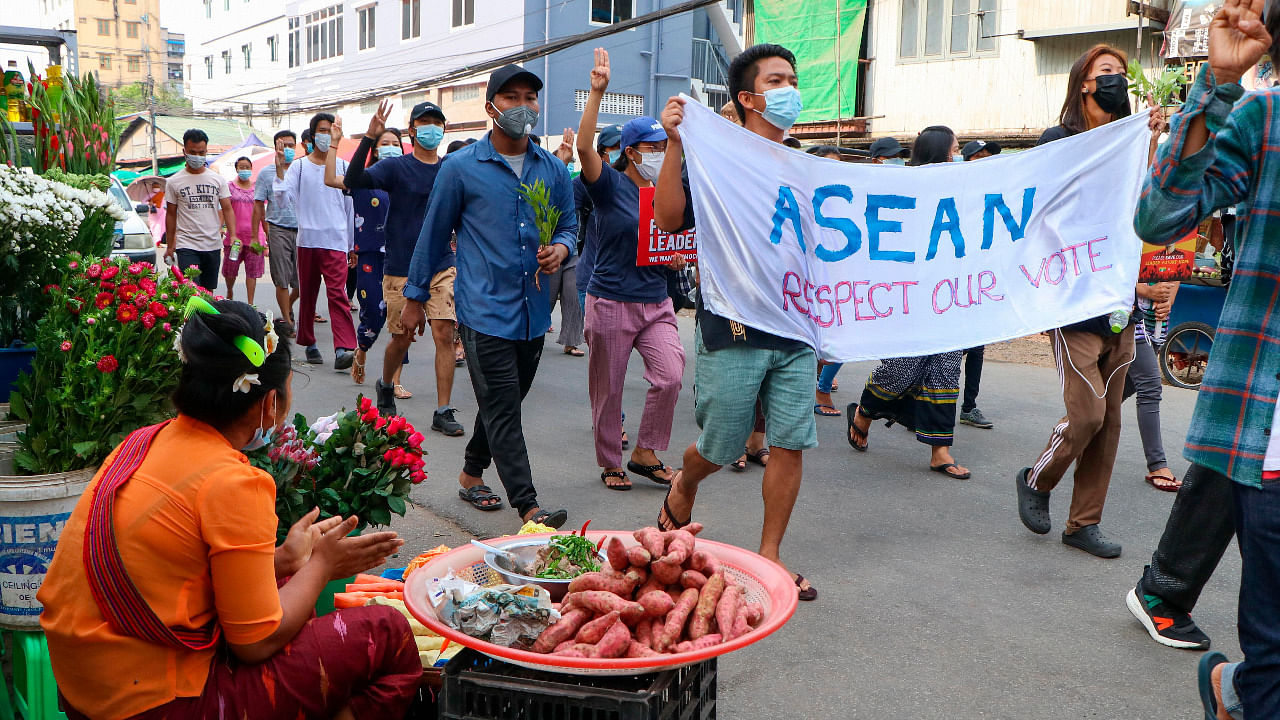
(198, 197)
(326, 216)
(1272, 461)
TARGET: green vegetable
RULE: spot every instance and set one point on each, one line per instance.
(577, 550)
(545, 215)
(1164, 89)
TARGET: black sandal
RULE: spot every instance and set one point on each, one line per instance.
(666, 508)
(479, 497)
(650, 471)
(806, 594)
(624, 485)
(739, 465)
(854, 431)
(758, 456)
(550, 519)
(946, 468)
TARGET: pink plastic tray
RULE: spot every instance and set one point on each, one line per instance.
(763, 581)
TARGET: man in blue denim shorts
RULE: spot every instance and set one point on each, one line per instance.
(736, 363)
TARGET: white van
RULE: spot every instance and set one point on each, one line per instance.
(133, 236)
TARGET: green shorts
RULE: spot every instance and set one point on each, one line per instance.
(725, 387)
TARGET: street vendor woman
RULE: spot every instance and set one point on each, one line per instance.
(162, 599)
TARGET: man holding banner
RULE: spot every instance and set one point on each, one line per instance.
(735, 362)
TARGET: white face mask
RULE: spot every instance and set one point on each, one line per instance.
(650, 165)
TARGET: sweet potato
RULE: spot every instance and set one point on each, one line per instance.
(638, 649)
(644, 632)
(701, 643)
(581, 650)
(617, 554)
(755, 613)
(619, 585)
(637, 575)
(693, 528)
(650, 538)
(666, 637)
(592, 632)
(740, 625)
(675, 591)
(679, 546)
(601, 603)
(666, 571)
(700, 623)
(617, 639)
(704, 562)
(564, 629)
(656, 603)
(727, 610)
(564, 646)
(692, 579)
(638, 556)
(650, 585)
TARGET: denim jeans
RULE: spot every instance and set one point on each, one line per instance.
(1258, 534)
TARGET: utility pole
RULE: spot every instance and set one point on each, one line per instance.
(151, 94)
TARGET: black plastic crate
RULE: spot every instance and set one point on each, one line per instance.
(477, 687)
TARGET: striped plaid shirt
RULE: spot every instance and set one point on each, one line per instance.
(1240, 164)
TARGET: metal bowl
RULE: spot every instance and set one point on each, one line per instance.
(527, 552)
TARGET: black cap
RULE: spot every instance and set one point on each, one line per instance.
(973, 147)
(426, 108)
(886, 147)
(506, 74)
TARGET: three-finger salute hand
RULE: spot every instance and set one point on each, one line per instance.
(1237, 39)
(600, 73)
(335, 132)
(378, 122)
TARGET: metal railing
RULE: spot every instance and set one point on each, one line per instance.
(710, 65)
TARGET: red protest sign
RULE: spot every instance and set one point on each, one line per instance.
(655, 247)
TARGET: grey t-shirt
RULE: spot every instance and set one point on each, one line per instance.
(516, 162)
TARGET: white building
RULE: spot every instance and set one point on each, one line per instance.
(237, 57)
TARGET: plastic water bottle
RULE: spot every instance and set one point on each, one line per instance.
(234, 256)
(1119, 320)
(168, 260)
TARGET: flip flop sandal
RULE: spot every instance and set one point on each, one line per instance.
(357, 372)
(835, 386)
(649, 471)
(1204, 678)
(554, 519)
(575, 352)
(758, 456)
(806, 594)
(826, 411)
(459, 360)
(480, 497)
(739, 465)
(625, 442)
(621, 486)
(402, 394)
(945, 469)
(321, 320)
(1154, 481)
(855, 432)
(666, 508)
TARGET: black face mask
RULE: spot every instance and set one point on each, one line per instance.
(1112, 92)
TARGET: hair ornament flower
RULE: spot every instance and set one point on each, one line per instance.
(243, 382)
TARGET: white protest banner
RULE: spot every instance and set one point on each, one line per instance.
(876, 261)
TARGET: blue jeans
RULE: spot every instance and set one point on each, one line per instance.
(1258, 534)
(828, 376)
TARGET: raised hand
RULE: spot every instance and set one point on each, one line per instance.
(1237, 39)
(565, 151)
(335, 131)
(600, 73)
(378, 122)
(672, 116)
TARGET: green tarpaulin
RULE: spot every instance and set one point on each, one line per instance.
(127, 176)
(810, 29)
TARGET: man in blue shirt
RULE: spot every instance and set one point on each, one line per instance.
(408, 180)
(503, 312)
(280, 225)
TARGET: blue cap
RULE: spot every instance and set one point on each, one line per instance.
(642, 129)
(610, 135)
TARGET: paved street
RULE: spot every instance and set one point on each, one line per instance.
(935, 601)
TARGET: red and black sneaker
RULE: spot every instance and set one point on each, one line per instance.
(1164, 624)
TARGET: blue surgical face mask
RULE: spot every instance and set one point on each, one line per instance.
(244, 174)
(389, 151)
(310, 148)
(195, 162)
(429, 136)
(261, 438)
(957, 158)
(322, 142)
(782, 106)
(288, 154)
(895, 161)
(614, 155)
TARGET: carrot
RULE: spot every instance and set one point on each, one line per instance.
(365, 579)
(358, 599)
(375, 587)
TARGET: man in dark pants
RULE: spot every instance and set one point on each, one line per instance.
(503, 309)
(969, 412)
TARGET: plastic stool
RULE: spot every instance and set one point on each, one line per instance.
(35, 692)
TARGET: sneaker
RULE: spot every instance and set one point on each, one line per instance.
(343, 358)
(1091, 540)
(975, 418)
(1165, 625)
(444, 422)
(386, 397)
(313, 356)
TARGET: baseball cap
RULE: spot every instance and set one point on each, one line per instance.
(610, 135)
(642, 129)
(973, 147)
(426, 108)
(886, 147)
(506, 74)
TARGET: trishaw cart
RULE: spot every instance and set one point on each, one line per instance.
(1193, 320)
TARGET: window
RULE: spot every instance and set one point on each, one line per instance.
(464, 92)
(937, 29)
(464, 12)
(366, 27)
(247, 49)
(273, 47)
(104, 61)
(607, 12)
(324, 33)
(133, 63)
(226, 61)
(295, 42)
(408, 100)
(104, 27)
(131, 29)
(208, 66)
(369, 107)
(410, 19)
(612, 103)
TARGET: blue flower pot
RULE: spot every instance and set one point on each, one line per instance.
(13, 362)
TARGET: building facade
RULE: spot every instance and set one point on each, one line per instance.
(120, 40)
(236, 57)
(175, 50)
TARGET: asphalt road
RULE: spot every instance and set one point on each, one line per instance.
(934, 601)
